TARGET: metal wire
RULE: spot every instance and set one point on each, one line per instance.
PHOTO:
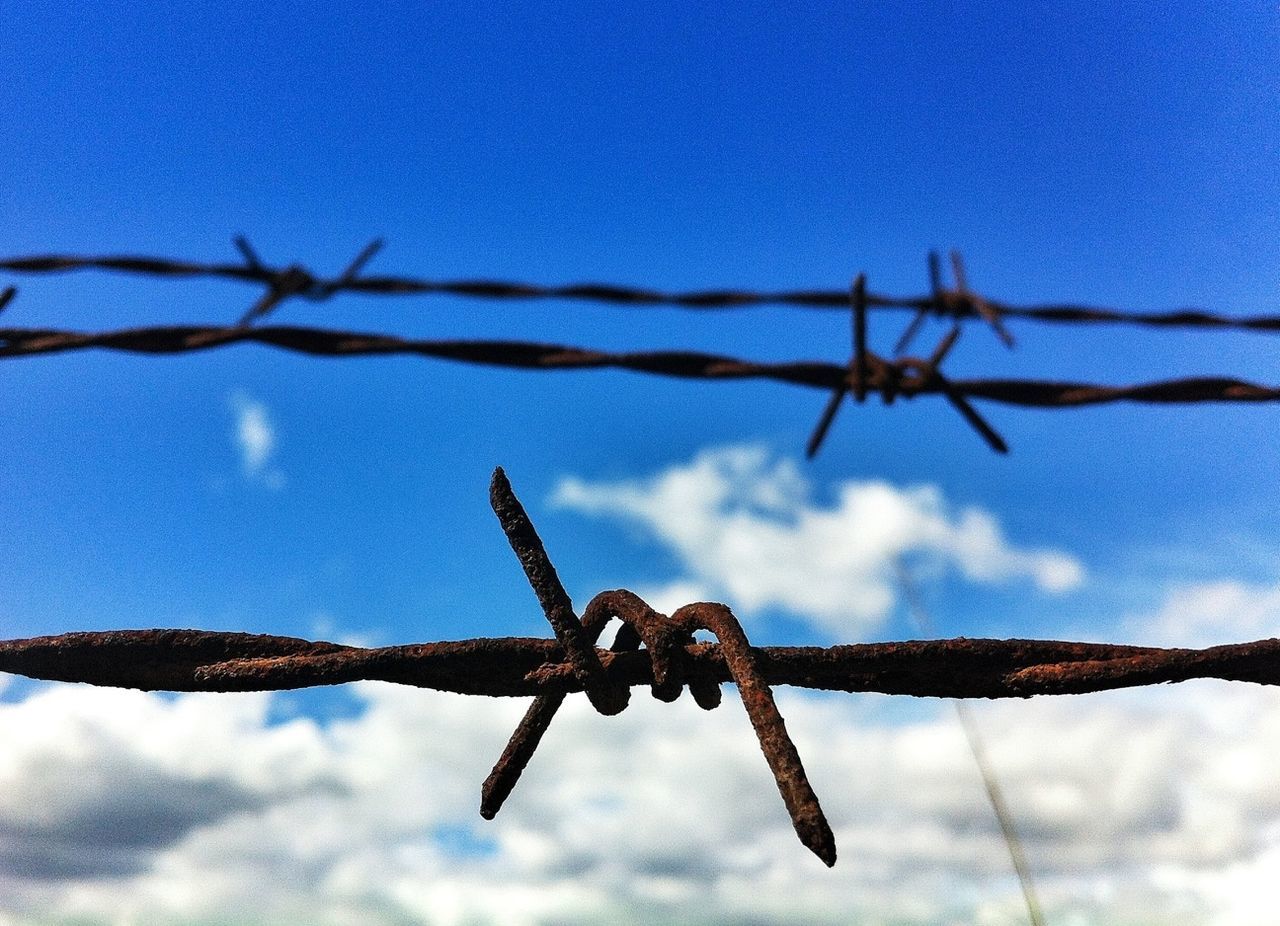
(549, 670)
(196, 660)
(958, 303)
(904, 376)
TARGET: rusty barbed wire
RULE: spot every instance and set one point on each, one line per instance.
(902, 376)
(865, 367)
(954, 304)
(650, 649)
(906, 377)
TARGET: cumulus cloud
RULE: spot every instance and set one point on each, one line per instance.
(198, 808)
(1209, 613)
(255, 439)
(745, 528)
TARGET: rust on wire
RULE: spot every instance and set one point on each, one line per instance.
(664, 638)
(957, 304)
(324, 342)
(865, 372)
(650, 649)
(905, 376)
(196, 660)
(858, 368)
(939, 301)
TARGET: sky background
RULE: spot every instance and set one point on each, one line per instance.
(1113, 156)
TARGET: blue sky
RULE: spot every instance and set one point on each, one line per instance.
(1114, 156)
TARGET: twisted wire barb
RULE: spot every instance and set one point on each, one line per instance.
(661, 635)
(906, 375)
(297, 280)
(651, 649)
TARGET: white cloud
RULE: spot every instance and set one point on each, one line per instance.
(121, 807)
(1210, 613)
(255, 438)
(745, 528)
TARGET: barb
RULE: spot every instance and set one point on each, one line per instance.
(555, 601)
(859, 371)
(906, 375)
(254, 271)
(957, 304)
(549, 670)
(662, 636)
(296, 280)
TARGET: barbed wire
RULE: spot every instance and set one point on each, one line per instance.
(650, 649)
(905, 377)
(296, 280)
(865, 372)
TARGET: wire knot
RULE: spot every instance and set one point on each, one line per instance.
(296, 280)
(905, 376)
(666, 640)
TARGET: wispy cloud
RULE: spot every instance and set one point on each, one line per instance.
(255, 439)
(744, 527)
(1210, 613)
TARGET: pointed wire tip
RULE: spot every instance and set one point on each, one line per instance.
(935, 274)
(944, 346)
(975, 420)
(246, 251)
(489, 807)
(365, 255)
(499, 486)
(826, 853)
(817, 837)
(910, 333)
(824, 423)
(957, 270)
(6, 296)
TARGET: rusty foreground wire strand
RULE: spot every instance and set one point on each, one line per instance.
(295, 280)
(650, 649)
